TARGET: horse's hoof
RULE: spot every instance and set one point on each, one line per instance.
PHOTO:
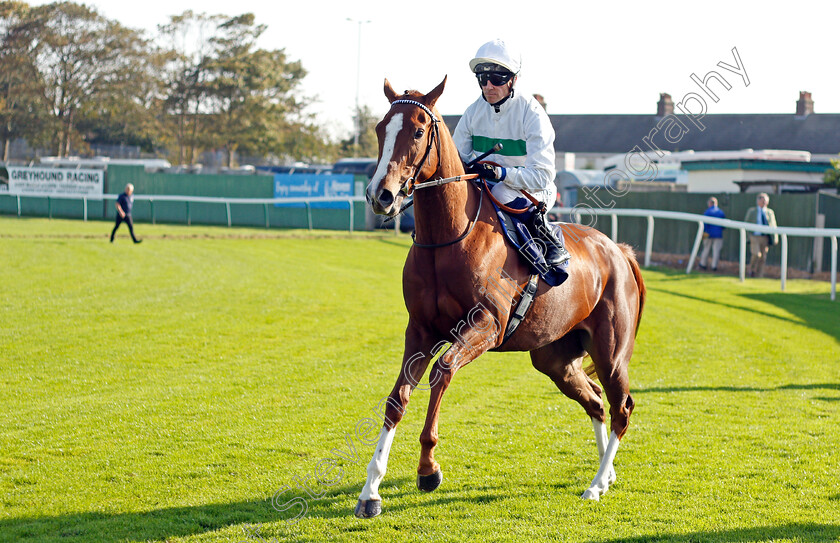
(427, 483)
(591, 494)
(368, 508)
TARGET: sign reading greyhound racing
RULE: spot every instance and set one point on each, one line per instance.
(55, 181)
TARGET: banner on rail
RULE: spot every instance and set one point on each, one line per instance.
(313, 185)
(53, 181)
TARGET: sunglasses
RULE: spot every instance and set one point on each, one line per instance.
(496, 78)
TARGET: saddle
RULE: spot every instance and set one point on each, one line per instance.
(517, 234)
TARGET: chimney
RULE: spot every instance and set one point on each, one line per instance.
(665, 106)
(804, 106)
(539, 98)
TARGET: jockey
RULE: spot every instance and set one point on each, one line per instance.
(520, 123)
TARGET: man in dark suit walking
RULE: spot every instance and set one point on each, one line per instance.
(124, 203)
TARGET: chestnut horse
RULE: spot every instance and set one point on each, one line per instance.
(461, 282)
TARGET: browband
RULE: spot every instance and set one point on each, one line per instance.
(418, 104)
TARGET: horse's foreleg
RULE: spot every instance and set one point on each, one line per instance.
(415, 362)
(370, 503)
(470, 345)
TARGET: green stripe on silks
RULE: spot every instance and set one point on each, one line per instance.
(482, 144)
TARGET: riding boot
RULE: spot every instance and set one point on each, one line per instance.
(555, 254)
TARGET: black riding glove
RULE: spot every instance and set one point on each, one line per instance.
(484, 171)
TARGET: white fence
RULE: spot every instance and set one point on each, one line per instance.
(226, 202)
(651, 215)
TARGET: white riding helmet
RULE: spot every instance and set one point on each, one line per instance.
(497, 52)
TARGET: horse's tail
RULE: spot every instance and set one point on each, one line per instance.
(630, 254)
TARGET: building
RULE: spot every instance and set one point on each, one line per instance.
(729, 152)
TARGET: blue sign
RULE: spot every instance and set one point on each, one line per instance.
(313, 185)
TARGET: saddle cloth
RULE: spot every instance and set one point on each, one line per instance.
(517, 234)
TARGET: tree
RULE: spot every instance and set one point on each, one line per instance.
(129, 112)
(832, 176)
(253, 94)
(186, 53)
(82, 58)
(69, 76)
(21, 112)
(368, 145)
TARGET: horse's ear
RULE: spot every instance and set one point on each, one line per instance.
(389, 91)
(433, 96)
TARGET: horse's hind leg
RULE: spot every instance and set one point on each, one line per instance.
(562, 362)
(610, 348)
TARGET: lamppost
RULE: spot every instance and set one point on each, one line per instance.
(357, 117)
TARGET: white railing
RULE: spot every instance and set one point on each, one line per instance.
(265, 202)
(650, 215)
(782, 231)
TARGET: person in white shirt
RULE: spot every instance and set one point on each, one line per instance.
(521, 125)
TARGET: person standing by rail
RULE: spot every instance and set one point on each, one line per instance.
(712, 235)
(760, 242)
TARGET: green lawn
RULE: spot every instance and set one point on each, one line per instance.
(166, 391)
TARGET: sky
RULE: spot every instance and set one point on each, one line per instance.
(582, 57)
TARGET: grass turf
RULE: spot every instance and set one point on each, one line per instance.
(167, 391)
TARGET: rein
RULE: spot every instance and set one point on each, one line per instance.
(438, 182)
(540, 206)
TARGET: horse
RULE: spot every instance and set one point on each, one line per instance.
(460, 281)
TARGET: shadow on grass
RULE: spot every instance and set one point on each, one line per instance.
(816, 311)
(813, 310)
(244, 517)
(157, 525)
(728, 305)
(804, 533)
(814, 386)
(174, 522)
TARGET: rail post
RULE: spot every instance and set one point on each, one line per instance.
(649, 241)
(697, 239)
(833, 267)
(784, 260)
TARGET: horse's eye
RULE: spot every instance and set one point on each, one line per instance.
(418, 134)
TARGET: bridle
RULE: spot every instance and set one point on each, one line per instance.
(411, 183)
(434, 136)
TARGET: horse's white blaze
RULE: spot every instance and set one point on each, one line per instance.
(601, 483)
(378, 465)
(391, 131)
